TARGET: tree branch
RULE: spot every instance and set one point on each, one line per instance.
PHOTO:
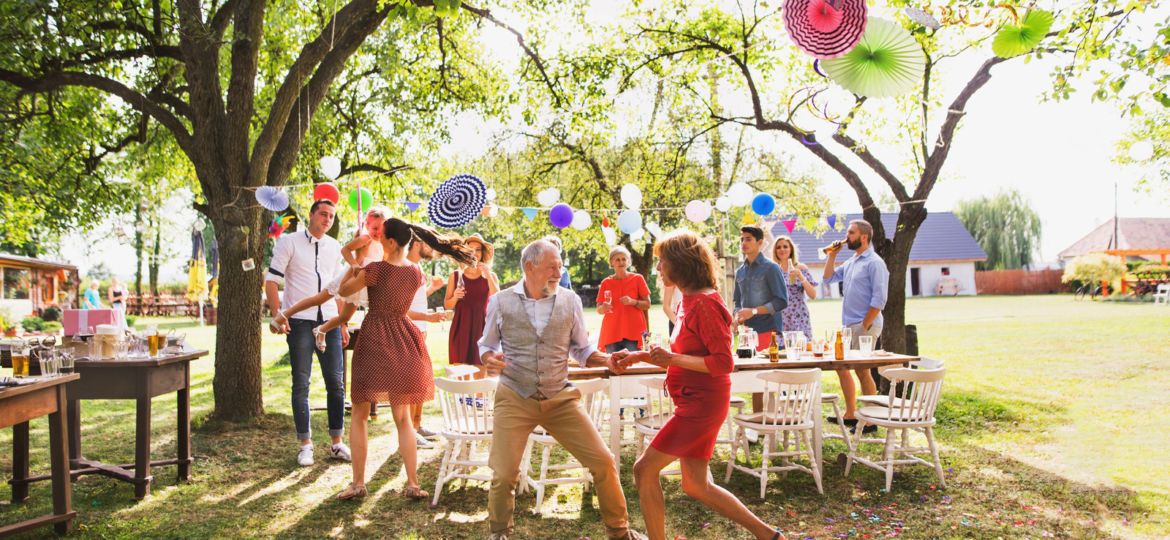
(484, 13)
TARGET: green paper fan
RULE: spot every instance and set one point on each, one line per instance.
(886, 62)
(1014, 40)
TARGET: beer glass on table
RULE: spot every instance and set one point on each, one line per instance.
(20, 353)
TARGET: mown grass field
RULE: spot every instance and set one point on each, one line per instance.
(1052, 424)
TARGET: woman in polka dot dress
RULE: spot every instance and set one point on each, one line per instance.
(390, 362)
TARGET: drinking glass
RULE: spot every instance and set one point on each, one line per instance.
(818, 347)
(790, 342)
(20, 361)
(847, 337)
(866, 343)
(442, 322)
(66, 360)
(48, 363)
(609, 297)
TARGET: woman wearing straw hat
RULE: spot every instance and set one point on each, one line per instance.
(468, 290)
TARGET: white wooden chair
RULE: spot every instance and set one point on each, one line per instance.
(659, 409)
(883, 400)
(791, 399)
(592, 398)
(461, 372)
(1162, 294)
(835, 400)
(465, 425)
(912, 409)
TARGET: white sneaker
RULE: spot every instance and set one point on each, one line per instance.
(427, 434)
(340, 451)
(305, 455)
(422, 442)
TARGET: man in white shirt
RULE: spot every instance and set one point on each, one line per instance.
(306, 261)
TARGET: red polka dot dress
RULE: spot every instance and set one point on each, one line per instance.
(390, 361)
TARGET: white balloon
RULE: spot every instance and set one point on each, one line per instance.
(491, 194)
(548, 197)
(698, 211)
(654, 229)
(740, 194)
(330, 167)
(610, 236)
(631, 196)
(581, 220)
(1141, 150)
(630, 221)
(638, 234)
(723, 204)
(493, 211)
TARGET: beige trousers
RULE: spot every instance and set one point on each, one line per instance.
(565, 419)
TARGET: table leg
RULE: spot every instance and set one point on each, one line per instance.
(615, 423)
(184, 429)
(142, 448)
(59, 454)
(73, 417)
(19, 462)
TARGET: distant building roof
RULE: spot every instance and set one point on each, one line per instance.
(38, 263)
(1132, 233)
(942, 237)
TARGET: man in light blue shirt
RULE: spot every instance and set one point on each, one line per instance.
(760, 292)
(866, 282)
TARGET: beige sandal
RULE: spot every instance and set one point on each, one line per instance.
(354, 491)
(415, 492)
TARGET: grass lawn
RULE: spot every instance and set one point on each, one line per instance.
(1050, 424)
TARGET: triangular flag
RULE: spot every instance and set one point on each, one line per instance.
(790, 224)
(530, 213)
(411, 206)
(749, 218)
(832, 219)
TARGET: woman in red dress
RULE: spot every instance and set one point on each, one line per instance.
(468, 290)
(390, 361)
(697, 367)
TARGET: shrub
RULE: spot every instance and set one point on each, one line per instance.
(130, 320)
(32, 324)
(51, 327)
(1094, 267)
(52, 313)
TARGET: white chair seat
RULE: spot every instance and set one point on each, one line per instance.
(791, 399)
(652, 422)
(829, 397)
(767, 421)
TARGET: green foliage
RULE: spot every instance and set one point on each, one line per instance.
(52, 314)
(130, 320)
(1005, 226)
(32, 324)
(51, 327)
(1094, 268)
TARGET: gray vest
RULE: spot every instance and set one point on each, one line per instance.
(535, 362)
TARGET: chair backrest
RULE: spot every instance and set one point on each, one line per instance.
(916, 400)
(461, 372)
(921, 363)
(458, 400)
(1163, 288)
(791, 396)
(657, 398)
(593, 399)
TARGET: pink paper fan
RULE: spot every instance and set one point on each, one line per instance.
(825, 28)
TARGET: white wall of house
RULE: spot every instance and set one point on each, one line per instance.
(929, 275)
(18, 309)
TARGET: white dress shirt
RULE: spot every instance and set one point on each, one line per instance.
(305, 264)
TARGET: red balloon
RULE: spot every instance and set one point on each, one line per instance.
(326, 191)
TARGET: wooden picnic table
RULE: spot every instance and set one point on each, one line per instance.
(19, 405)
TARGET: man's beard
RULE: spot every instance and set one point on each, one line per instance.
(549, 288)
(853, 244)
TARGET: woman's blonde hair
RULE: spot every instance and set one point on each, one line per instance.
(792, 254)
(693, 265)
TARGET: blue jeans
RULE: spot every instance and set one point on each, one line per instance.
(301, 347)
(623, 345)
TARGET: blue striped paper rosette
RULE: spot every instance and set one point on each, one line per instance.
(457, 201)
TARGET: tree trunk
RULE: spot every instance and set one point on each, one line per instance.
(154, 257)
(896, 254)
(238, 384)
(138, 251)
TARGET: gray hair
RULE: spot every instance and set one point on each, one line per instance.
(619, 249)
(864, 227)
(554, 240)
(536, 251)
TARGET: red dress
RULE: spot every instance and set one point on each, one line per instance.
(390, 360)
(467, 323)
(624, 322)
(701, 400)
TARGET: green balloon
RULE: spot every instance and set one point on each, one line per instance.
(367, 199)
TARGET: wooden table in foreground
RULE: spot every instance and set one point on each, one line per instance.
(18, 405)
(140, 380)
(743, 379)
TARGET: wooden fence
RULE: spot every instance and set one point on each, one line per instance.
(1019, 282)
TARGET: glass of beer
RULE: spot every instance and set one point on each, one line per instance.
(152, 344)
(20, 360)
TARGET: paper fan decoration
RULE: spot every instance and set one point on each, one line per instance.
(824, 29)
(920, 16)
(886, 62)
(1014, 40)
(457, 201)
(272, 198)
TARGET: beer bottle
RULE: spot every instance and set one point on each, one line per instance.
(839, 347)
(774, 349)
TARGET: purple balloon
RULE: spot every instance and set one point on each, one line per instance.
(561, 215)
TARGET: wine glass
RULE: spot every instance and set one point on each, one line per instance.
(442, 321)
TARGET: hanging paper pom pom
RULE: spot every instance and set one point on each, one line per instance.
(581, 220)
(326, 191)
(330, 167)
(561, 215)
(272, 198)
(763, 204)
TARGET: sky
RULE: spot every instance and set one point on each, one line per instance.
(1058, 155)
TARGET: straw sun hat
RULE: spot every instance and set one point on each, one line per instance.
(488, 250)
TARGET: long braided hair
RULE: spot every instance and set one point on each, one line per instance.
(449, 245)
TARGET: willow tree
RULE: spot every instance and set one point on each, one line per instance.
(1005, 226)
(903, 143)
(236, 84)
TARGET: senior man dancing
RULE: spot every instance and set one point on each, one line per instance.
(530, 331)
